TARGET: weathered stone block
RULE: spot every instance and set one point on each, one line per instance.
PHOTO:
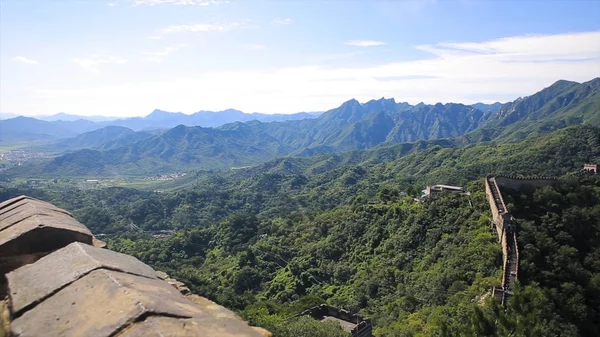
(29, 226)
(64, 267)
(101, 304)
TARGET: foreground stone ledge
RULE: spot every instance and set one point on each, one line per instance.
(101, 304)
(62, 268)
(60, 284)
(30, 226)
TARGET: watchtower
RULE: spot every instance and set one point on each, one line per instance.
(591, 168)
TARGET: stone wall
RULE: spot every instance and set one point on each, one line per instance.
(60, 284)
(506, 231)
(497, 205)
(520, 183)
(363, 327)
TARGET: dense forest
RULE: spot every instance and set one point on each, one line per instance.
(274, 241)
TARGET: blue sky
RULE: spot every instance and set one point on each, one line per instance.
(126, 58)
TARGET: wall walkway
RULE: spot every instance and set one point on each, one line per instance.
(506, 227)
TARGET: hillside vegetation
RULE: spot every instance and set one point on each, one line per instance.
(276, 239)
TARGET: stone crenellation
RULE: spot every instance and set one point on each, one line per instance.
(518, 183)
(358, 325)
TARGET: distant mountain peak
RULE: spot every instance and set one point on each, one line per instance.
(390, 100)
(161, 115)
(563, 82)
(351, 102)
(232, 111)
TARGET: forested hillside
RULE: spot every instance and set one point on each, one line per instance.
(559, 273)
(276, 239)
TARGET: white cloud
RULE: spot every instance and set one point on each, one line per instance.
(467, 72)
(285, 21)
(112, 4)
(365, 43)
(159, 56)
(154, 37)
(200, 3)
(92, 63)
(24, 59)
(205, 27)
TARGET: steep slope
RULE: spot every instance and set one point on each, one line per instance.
(424, 122)
(553, 154)
(562, 104)
(449, 161)
(354, 126)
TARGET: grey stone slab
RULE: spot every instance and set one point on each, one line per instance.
(32, 207)
(101, 304)
(45, 216)
(11, 201)
(64, 267)
(52, 232)
(25, 201)
(22, 215)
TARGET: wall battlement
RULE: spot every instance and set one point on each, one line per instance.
(357, 325)
(519, 183)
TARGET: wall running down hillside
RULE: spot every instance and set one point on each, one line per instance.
(60, 282)
(506, 227)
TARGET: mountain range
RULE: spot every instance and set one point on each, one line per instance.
(26, 129)
(352, 126)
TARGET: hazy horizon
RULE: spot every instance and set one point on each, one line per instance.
(254, 112)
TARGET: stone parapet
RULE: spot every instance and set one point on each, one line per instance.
(59, 284)
(361, 327)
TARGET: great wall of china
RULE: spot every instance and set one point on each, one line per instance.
(506, 226)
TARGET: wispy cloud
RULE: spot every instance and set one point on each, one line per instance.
(285, 21)
(92, 63)
(200, 3)
(159, 56)
(364, 43)
(112, 4)
(254, 47)
(205, 27)
(155, 37)
(466, 72)
(24, 59)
